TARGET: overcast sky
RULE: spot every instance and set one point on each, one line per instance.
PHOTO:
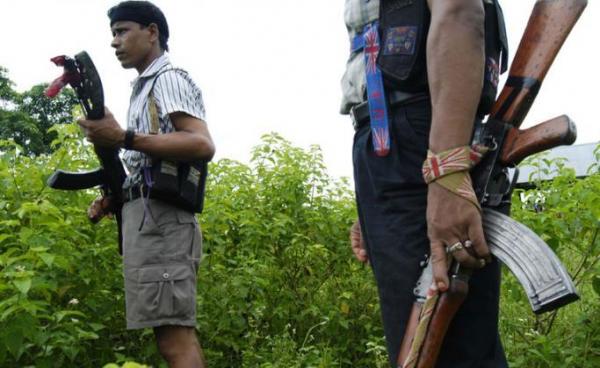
(269, 65)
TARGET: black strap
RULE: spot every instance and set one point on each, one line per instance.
(502, 36)
(128, 142)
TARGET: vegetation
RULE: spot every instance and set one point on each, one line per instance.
(565, 212)
(277, 287)
(27, 117)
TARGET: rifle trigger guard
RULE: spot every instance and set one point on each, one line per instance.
(509, 187)
(492, 144)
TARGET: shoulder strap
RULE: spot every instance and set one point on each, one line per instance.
(502, 36)
(154, 121)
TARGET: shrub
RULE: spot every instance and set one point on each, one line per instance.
(277, 287)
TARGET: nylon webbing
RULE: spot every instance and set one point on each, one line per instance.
(368, 41)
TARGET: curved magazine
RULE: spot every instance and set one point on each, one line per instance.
(530, 259)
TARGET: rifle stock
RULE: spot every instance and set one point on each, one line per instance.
(421, 343)
(549, 25)
(447, 307)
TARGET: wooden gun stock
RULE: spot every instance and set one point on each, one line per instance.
(519, 144)
(443, 313)
(447, 307)
(549, 25)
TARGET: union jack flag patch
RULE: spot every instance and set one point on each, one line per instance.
(400, 40)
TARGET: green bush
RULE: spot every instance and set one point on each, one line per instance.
(278, 269)
(277, 287)
(565, 212)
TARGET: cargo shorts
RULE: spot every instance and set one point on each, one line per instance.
(161, 253)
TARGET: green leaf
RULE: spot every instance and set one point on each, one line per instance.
(39, 249)
(596, 284)
(23, 285)
(13, 340)
(97, 326)
(133, 365)
(87, 335)
(3, 237)
(47, 258)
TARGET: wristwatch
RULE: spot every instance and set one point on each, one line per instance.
(128, 142)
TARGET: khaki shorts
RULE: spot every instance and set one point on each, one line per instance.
(160, 263)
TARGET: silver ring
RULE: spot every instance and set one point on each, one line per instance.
(468, 244)
(455, 247)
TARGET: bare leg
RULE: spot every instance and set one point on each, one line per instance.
(179, 346)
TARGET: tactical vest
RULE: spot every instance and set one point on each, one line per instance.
(182, 183)
(403, 28)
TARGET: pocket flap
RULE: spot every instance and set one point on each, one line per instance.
(164, 273)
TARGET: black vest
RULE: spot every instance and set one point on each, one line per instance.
(403, 28)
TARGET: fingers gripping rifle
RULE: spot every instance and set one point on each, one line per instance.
(80, 73)
(530, 259)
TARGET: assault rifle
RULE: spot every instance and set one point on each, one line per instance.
(530, 259)
(80, 73)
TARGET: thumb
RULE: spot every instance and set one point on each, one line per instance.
(439, 264)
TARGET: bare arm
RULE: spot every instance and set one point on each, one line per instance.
(455, 66)
(190, 141)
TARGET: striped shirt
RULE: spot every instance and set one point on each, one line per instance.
(173, 91)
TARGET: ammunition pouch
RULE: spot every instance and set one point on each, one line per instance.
(404, 26)
(181, 184)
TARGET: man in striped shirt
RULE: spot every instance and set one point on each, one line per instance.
(161, 243)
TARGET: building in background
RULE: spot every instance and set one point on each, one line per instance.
(579, 157)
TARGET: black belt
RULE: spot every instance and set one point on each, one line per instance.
(360, 113)
(134, 193)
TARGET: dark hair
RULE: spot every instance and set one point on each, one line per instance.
(144, 13)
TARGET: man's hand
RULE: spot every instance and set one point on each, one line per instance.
(101, 207)
(453, 220)
(105, 132)
(357, 243)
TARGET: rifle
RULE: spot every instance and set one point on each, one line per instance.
(81, 74)
(530, 259)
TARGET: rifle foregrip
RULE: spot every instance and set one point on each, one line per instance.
(447, 307)
(519, 144)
